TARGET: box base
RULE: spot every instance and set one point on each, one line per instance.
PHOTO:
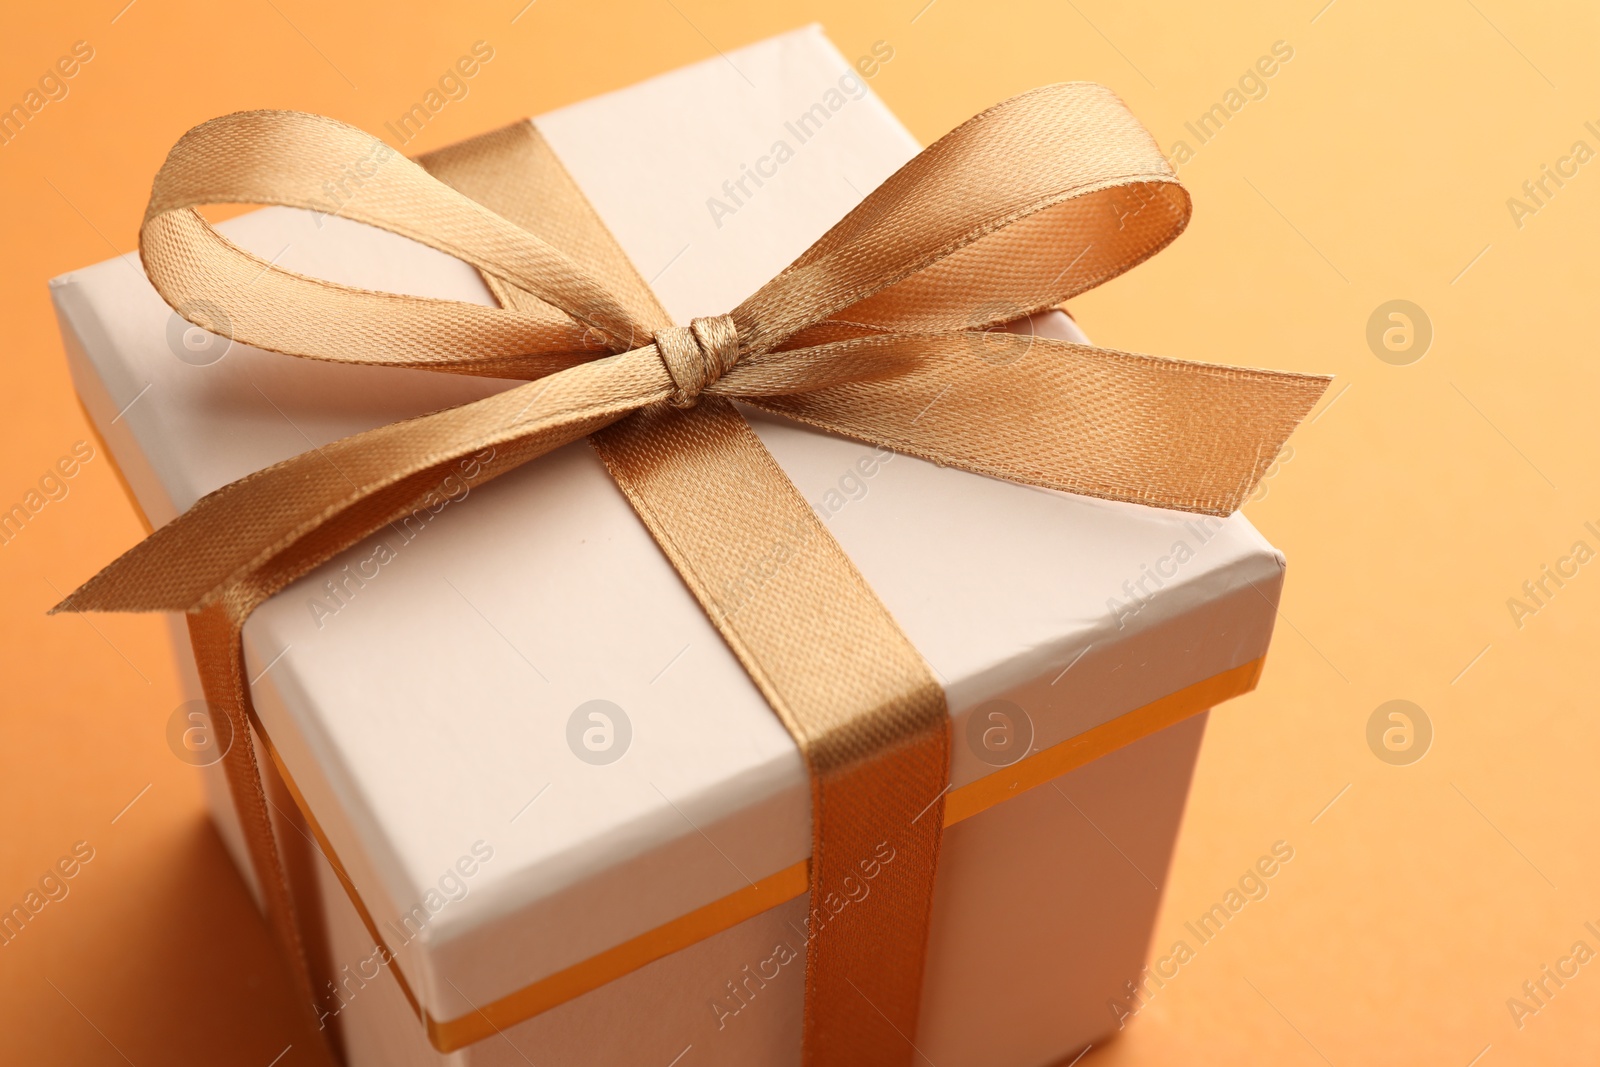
(1043, 911)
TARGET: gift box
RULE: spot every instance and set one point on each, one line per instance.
(532, 806)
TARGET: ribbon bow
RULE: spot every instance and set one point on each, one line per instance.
(884, 330)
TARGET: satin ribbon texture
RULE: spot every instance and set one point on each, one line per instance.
(892, 328)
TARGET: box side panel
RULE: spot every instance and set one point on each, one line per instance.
(1044, 907)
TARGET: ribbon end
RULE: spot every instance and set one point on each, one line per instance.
(108, 591)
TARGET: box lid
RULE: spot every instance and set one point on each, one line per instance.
(424, 707)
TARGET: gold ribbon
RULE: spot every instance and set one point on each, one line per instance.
(883, 330)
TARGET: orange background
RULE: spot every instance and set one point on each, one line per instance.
(1417, 500)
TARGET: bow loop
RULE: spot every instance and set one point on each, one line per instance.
(292, 159)
(1019, 208)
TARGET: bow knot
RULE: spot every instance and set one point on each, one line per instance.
(697, 355)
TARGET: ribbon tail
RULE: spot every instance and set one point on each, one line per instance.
(1163, 432)
(263, 531)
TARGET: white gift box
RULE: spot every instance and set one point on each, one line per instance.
(561, 880)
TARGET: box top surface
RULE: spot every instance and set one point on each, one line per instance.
(425, 705)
